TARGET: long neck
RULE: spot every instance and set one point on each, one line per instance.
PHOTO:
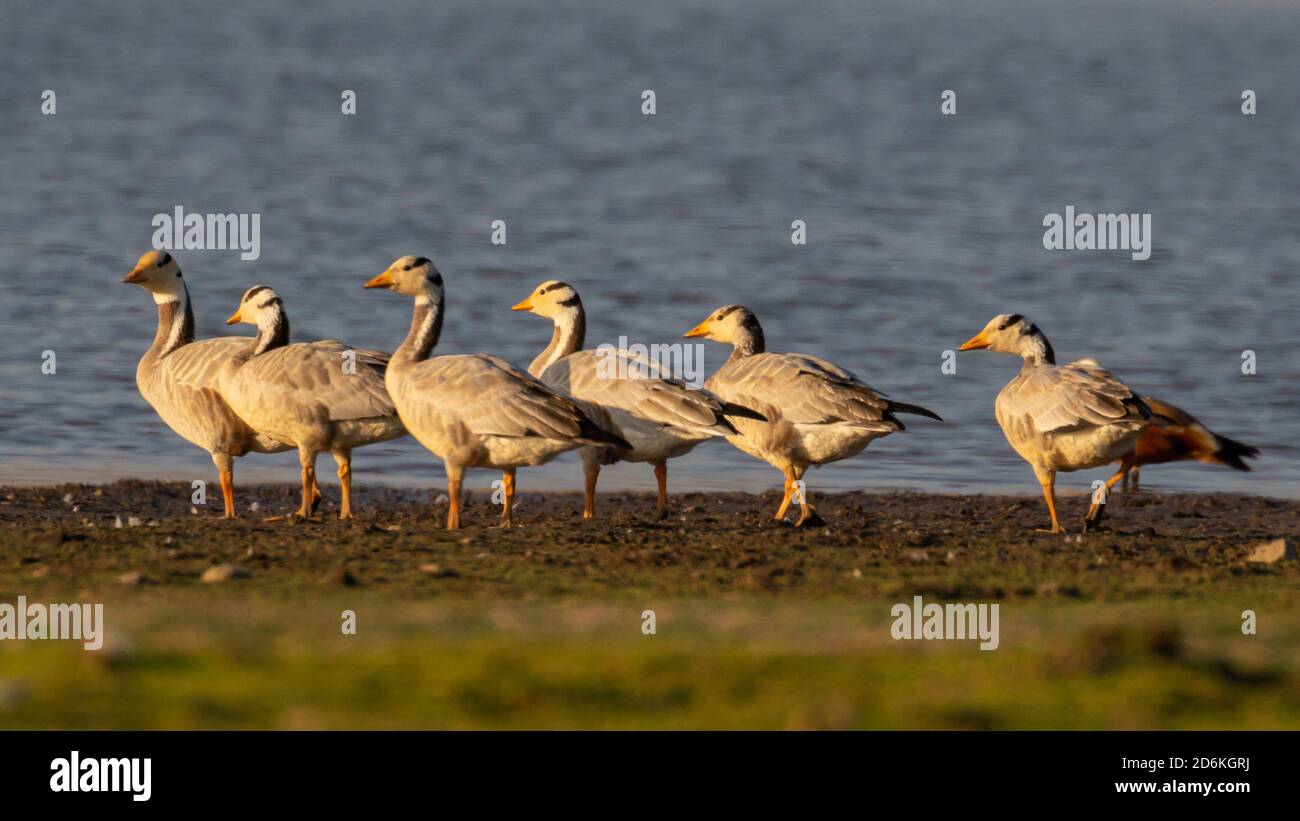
(175, 322)
(1036, 350)
(272, 329)
(426, 327)
(568, 335)
(748, 341)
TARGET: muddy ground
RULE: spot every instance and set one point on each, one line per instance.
(543, 625)
(956, 547)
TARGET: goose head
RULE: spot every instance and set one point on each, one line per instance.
(261, 306)
(552, 299)
(730, 325)
(413, 276)
(1013, 334)
(159, 274)
(258, 306)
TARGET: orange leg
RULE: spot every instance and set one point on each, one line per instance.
(661, 475)
(508, 485)
(226, 471)
(1095, 511)
(1122, 473)
(308, 461)
(228, 493)
(453, 503)
(1125, 465)
(1098, 509)
(1049, 494)
(807, 513)
(590, 474)
(789, 494)
(344, 459)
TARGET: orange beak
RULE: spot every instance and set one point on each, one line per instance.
(526, 305)
(384, 280)
(975, 343)
(134, 275)
(699, 330)
(235, 317)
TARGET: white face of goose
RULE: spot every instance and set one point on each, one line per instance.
(1005, 334)
(158, 273)
(255, 306)
(724, 325)
(550, 299)
(413, 276)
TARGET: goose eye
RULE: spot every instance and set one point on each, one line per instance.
(406, 268)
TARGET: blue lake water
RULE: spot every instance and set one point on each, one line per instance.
(920, 226)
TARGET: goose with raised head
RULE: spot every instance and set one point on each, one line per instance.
(661, 417)
(816, 412)
(1060, 417)
(319, 397)
(474, 410)
(1174, 435)
(181, 378)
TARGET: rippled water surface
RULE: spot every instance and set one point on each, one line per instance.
(920, 227)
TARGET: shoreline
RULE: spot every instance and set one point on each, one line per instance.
(709, 544)
(479, 481)
(705, 470)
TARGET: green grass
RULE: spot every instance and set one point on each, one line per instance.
(218, 659)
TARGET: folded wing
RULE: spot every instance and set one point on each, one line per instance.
(806, 389)
(1072, 397)
(491, 397)
(348, 384)
(619, 379)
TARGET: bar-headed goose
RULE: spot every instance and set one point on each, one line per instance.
(181, 378)
(660, 416)
(817, 412)
(1060, 417)
(1174, 435)
(316, 396)
(474, 410)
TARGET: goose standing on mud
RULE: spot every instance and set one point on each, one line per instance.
(181, 378)
(817, 412)
(474, 410)
(1173, 436)
(316, 396)
(1060, 417)
(661, 417)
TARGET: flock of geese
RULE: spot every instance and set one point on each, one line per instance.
(235, 395)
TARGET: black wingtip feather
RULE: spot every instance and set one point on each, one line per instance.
(619, 441)
(732, 409)
(915, 410)
(725, 423)
(590, 431)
